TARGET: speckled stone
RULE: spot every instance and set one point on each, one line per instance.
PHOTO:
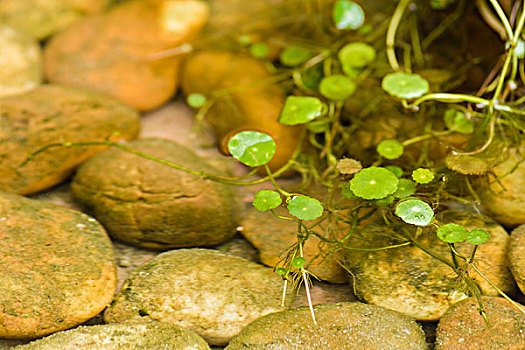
(354, 326)
(212, 293)
(147, 336)
(57, 268)
(462, 327)
(517, 256)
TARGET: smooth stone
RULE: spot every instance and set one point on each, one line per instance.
(339, 326)
(273, 237)
(410, 281)
(119, 336)
(57, 268)
(20, 62)
(129, 62)
(517, 256)
(462, 326)
(152, 205)
(212, 293)
(50, 114)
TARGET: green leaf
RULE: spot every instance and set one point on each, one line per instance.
(347, 192)
(405, 188)
(252, 148)
(280, 270)
(384, 202)
(477, 236)
(260, 50)
(415, 212)
(452, 233)
(196, 100)
(422, 175)
(404, 85)
(398, 172)
(305, 208)
(390, 149)
(458, 121)
(298, 262)
(266, 200)
(347, 15)
(374, 183)
(300, 110)
(293, 56)
(337, 87)
(356, 55)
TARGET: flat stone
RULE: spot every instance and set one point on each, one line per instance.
(212, 293)
(116, 336)
(154, 206)
(50, 114)
(57, 268)
(339, 326)
(462, 326)
(517, 256)
(408, 280)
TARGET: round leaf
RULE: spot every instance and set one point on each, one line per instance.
(415, 212)
(293, 56)
(305, 208)
(336, 87)
(458, 121)
(477, 236)
(280, 270)
(266, 200)
(196, 100)
(384, 202)
(452, 233)
(422, 175)
(356, 55)
(300, 110)
(374, 183)
(347, 15)
(405, 188)
(347, 192)
(390, 149)
(298, 262)
(260, 50)
(398, 172)
(252, 148)
(404, 85)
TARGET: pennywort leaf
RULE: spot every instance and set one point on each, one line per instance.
(374, 183)
(305, 208)
(252, 148)
(300, 110)
(415, 212)
(266, 200)
(405, 85)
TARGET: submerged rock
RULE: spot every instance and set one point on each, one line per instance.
(212, 293)
(339, 326)
(517, 256)
(152, 205)
(57, 268)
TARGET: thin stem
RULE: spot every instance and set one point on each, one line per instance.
(503, 18)
(391, 33)
(274, 183)
(450, 98)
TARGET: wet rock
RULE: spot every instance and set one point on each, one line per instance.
(273, 237)
(57, 268)
(20, 62)
(517, 256)
(49, 114)
(340, 326)
(148, 336)
(408, 280)
(106, 53)
(462, 326)
(154, 206)
(210, 292)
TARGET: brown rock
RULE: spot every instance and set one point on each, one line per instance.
(119, 52)
(57, 268)
(517, 256)
(50, 114)
(154, 206)
(462, 327)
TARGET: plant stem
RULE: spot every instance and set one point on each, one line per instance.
(391, 33)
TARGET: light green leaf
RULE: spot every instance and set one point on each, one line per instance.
(300, 110)
(390, 149)
(422, 175)
(404, 85)
(405, 188)
(347, 15)
(374, 183)
(293, 56)
(337, 87)
(415, 212)
(356, 55)
(266, 200)
(477, 236)
(252, 148)
(305, 208)
(452, 233)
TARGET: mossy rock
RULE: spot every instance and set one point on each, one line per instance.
(212, 293)
(147, 336)
(49, 114)
(154, 206)
(339, 326)
(57, 268)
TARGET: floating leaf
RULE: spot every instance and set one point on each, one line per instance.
(458, 121)
(415, 212)
(298, 262)
(374, 183)
(347, 15)
(467, 164)
(336, 87)
(260, 50)
(356, 55)
(252, 148)
(196, 100)
(293, 56)
(422, 175)
(477, 236)
(300, 110)
(305, 208)
(266, 200)
(398, 172)
(405, 188)
(452, 233)
(384, 202)
(404, 85)
(349, 166)
(390, 149)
